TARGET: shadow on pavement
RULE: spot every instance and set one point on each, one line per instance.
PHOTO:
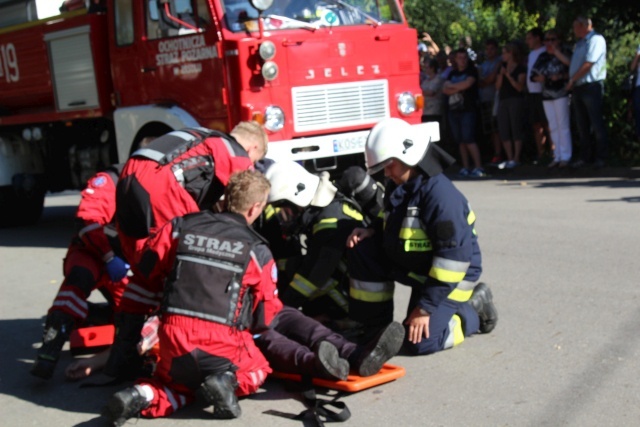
(17, 354)
(53, 230)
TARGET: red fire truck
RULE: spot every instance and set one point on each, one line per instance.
(80, 90)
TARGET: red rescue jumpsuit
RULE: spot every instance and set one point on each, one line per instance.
(158, 184)
(192, 348)
(84, 264)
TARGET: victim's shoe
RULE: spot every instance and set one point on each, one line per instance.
(329, 364)
(378, 351)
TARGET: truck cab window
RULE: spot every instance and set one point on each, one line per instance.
(283, 14)
(172, 18)
(124, 22)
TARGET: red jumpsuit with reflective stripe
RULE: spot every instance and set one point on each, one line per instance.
(168, 199)
(182, 337)
(84, 264)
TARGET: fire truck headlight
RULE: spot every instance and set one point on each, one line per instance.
(273, 118)
(406, 103)
(261, 5)
(269, 71)
(37, 133)
(26, 134)
(267, 50)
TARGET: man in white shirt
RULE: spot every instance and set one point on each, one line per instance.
(536, 111)
(587, 72)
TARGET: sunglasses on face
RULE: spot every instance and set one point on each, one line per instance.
(550, 39)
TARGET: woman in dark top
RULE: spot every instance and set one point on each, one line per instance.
(511, 83)
(552, 70)
(461, 89)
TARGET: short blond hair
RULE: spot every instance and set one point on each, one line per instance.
(251, 132)
(244, 189)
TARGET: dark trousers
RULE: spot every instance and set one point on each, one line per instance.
(368, 262)
(290, 346)
(587, 103)
(440, 322)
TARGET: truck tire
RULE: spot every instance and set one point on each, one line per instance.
(20, 209)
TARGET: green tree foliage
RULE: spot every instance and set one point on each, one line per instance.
(619, 22)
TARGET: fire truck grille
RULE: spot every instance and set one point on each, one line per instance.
(339, 105)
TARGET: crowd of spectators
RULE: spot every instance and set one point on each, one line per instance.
(538, 101)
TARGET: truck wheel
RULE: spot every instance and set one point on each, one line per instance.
(20, 209)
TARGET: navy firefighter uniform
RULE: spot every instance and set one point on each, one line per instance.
(427, 241)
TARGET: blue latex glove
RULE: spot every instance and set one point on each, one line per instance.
(117, 268)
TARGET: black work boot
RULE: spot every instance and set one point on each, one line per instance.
(482, 302)
(57, 328)
(123, 405)
(372, 357)
(329, 364)
(124, 360)
(220, 391)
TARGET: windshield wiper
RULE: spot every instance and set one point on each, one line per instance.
(356, 9)
(300, 24)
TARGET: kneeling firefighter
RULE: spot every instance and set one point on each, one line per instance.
(427, 240)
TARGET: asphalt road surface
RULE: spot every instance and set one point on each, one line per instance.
(560, 253)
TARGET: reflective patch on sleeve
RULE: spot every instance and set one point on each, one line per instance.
(423, 245)
(274, 273)
(99, 181)
(351, 212)
(324, 224)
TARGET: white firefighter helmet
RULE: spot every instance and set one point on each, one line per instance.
(291, 182)
(394, 138)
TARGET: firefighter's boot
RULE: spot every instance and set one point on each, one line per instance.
(124, 361)
(57, 328)
(125, 404)
(329, 364)
(370, 358)
(220, 391)
(482, 302)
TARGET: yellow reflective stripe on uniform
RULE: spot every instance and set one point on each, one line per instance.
(460, 295)
(471, 218)
(417, 245)
(269, 211)
(302, 285)
(371, 291)
(446, 275)
(412, 234)
(448, 270)
(456, 334)
(339, 299)
(325, 224)
(349, 211)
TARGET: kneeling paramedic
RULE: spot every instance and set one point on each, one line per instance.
(427, 241)
(220, 290)
(90, 263)
(182, 172)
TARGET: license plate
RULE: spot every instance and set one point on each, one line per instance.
(349, 143)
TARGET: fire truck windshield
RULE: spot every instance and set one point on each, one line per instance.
(311, 14)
